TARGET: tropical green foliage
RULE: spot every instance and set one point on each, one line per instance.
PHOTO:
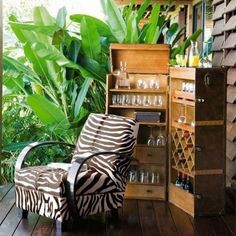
(61, 71)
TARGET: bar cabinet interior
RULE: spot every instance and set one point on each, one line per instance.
(145, 63)
(197, 139)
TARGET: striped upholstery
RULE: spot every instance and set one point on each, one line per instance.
(99, 188)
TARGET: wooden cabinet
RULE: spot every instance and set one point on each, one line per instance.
(197, 139)
(145, 63)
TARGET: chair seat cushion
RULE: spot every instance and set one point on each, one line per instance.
(42, 178)
(53, 181)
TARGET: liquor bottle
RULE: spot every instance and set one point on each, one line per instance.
(178, 181)
(187, 186)
(124, 80)
(184, 181)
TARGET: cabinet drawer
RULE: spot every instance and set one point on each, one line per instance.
(156, 155)
(137, 191)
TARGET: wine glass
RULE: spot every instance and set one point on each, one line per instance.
(154, 84)
(151, 139)
(161, 140)
(182, 117)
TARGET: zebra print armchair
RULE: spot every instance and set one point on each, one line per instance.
(96, 179)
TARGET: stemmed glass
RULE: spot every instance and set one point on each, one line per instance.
(151, 139)
(161, 140)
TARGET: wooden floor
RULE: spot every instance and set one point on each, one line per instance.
(136, 218)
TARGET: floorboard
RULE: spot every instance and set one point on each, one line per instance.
(164, 219)
(182, 222)
(230, 222)
(147, 218)
(131, 222)
(136, 218)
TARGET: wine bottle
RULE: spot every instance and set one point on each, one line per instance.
(185, 134)
(179, 150)
(178, 180)
(184, 181)
(187, 186)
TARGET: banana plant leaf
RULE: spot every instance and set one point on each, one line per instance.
(61, 17)
(142, 10)
(90, 39)
(132, 29)
(115, 20)
(102, 28)
(49, 114)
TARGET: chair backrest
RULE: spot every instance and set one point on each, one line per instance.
(103, 132)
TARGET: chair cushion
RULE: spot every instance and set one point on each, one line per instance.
(53, 181)
(107, 132)
(42, 178)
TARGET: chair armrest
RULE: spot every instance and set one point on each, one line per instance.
(25, 152)
(74, 172)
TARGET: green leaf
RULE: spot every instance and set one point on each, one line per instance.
(81, 96)
(51, 53)
(153, 29)
(10, 64)
(96, 70)
(179, 34)
(102, 28)
(14, 83)
(142, 10)
(47, 30)
(90, 39)
(115, 20)
(171, 32)
(42, 17)
(48, 113)
(61, 17)
(132, 32)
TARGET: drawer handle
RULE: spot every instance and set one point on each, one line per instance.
(149, 191)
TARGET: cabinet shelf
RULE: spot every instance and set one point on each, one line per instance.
(152, 123)
(146, 184)
(161, 90)
(183, 126)
(138, 107)
(183, 101)
(186, 172)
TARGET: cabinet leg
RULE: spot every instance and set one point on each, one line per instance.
(23, 214)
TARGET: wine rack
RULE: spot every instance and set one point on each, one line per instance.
(183, 151)
(197, 146)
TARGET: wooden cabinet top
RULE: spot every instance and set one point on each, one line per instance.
(141, 58)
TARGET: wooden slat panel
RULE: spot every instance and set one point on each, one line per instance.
(217, 43)
(231, 131)
(230, 168)
(217, 2)
(230, 42)
(230, 24)
(4, 190)
(230, 7)
(231, 112)
(218, 27)
(231, 75)
(217, 58)
(231, 150)
(219, 10)
(231, 93)
(230, 59)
